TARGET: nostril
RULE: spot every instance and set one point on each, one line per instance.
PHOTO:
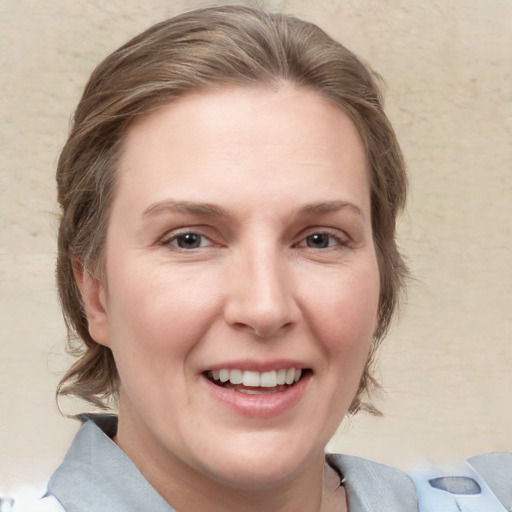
(261, 329)
(265, 331)
(260, 304)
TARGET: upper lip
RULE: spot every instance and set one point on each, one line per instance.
(258, 366)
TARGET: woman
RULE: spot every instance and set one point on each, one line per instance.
(227, 267)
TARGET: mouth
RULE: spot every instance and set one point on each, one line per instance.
(256, 383)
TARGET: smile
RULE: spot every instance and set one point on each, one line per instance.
(258, 394)
(253, 382)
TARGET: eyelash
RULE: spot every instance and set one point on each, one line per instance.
(173, 240)
(333, 241)
(338, 241)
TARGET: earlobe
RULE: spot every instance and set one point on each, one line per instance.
(94, 298)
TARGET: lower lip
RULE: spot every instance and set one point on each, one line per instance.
(266, 405)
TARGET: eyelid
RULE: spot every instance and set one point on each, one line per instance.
(341, 237)
(173, 235)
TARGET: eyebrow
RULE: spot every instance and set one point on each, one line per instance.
(329, 207)
(208, 209)
(170, 205)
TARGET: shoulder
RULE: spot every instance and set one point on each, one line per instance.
(482, 482)
(373, 487)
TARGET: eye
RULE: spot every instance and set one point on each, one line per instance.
(320, 241)
(189, 241)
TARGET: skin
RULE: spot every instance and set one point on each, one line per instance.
(278, 166)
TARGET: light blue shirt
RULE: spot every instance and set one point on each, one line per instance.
(97, 476)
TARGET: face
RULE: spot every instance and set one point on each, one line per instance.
(241, 287)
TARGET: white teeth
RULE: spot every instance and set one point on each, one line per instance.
(236, 376)
(269, 379)
(253, 379)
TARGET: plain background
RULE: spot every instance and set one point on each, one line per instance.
(446, 365)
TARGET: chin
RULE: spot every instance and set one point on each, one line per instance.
(264, 466)
(256, 477)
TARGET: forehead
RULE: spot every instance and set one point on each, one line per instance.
(286, 141)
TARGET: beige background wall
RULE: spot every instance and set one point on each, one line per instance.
(446, 367)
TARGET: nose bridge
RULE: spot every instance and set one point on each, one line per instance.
(261, 293)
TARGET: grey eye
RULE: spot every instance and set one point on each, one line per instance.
(318, 241)
(189, 241)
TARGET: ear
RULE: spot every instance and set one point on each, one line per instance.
(94, 298)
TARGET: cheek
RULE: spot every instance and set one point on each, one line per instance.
(344, 314)
(155, 317)
(348, 326)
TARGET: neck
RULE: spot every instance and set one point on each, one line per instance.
(315, 489)
(301, 494)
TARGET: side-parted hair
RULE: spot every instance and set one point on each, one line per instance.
(204, 50)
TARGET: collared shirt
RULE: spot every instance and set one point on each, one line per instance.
(96, 475)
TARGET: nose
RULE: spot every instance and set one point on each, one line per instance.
(260, 296)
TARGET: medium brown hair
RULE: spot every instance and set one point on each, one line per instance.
(203, 50)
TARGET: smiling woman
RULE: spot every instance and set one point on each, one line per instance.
(235, 287)
(228, 265)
